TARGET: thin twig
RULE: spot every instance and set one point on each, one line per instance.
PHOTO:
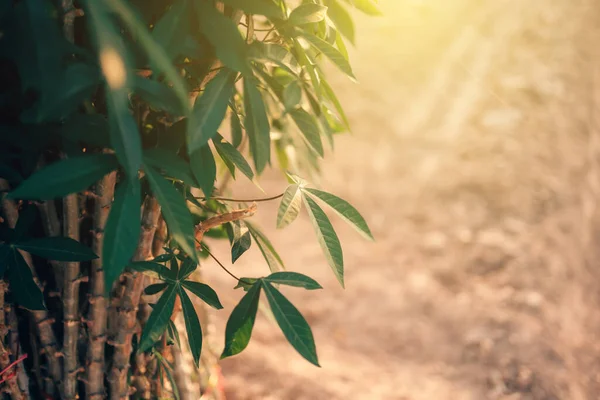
(11, 378)
(97, 316)
(222, 266)
(242, 200)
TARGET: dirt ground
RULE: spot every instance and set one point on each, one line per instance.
(475, 159)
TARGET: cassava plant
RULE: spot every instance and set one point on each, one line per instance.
(122, 125)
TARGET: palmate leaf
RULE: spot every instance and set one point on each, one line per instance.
(293, 279)
(204, 292)
(90, 129)
(330, 244)
(204, 168)
(156, 54)
(114, 62)
(174, 210)
(241, 240)
(290, 205)
(57, 248)
(307, 13)
(192, 325)
(25, 291)
(122, 231)
(257, 126)
(259, 7)
(159, 319)
(174, 166)
(155, 288)
(157, 94)
(330, 95)
(155, 270)
(209, 110)
(240, 323)
(330, 52)
(173, 27)
(341, 19)
(292, 95)
(173, 333)
(266, 248)
(64, 177)
(230, 154)
(292, 323)
(344, 210)
(310, 129)
(236, 129)
(187, 267)
(224, 35)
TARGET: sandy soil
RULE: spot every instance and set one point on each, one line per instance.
(475, 159)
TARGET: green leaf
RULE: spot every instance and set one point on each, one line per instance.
(266, 248)
(170, 31)
(209, 110)
(64, 177)
(155, 288)
(339, 42)
(122, 231)
(309, 128)
(157, 94)
(163, 257)
(236, 129)
(330, 244)
(330, 52)
(158, 320)
(241, 240)
(174, 166)
(204, 168)
(204, 292)
(87, 128)
(246, 283)
(5, 254)
(289, 208)
(76, 85)
(293, 279)
(192, 326)
(157, 55)
(275, 54)
(308, 66)
(259, 7)
(25, 291)
(27, 217)
(174, 210)
(57, 248)
(330, 94)
(366, 6)
(187, 267)
(158, 270)
(307, 14)
(230, 154)
(173, 334)
(292, 323)
(224, 35)
(167, 367)
(292, 95)
(341, 19)
(344, 210)
(240, 323)
(257, 126)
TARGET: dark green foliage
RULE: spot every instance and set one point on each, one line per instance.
(113, 94)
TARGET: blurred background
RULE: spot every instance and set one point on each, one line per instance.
(474, 157)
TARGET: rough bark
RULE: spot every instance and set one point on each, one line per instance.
(9, 375)
(97, 316)
(128, 307)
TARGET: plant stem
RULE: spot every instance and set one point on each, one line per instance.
(9, 372)
(97, 316)
(70, 300)
(128, 306)
(51, 226)
(40, 318)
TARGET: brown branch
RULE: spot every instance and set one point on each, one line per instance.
(41, 317)
(128, 307)
(51, 226)
(10, 372)
(97, 316)
(13, 346)
(220, 219)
